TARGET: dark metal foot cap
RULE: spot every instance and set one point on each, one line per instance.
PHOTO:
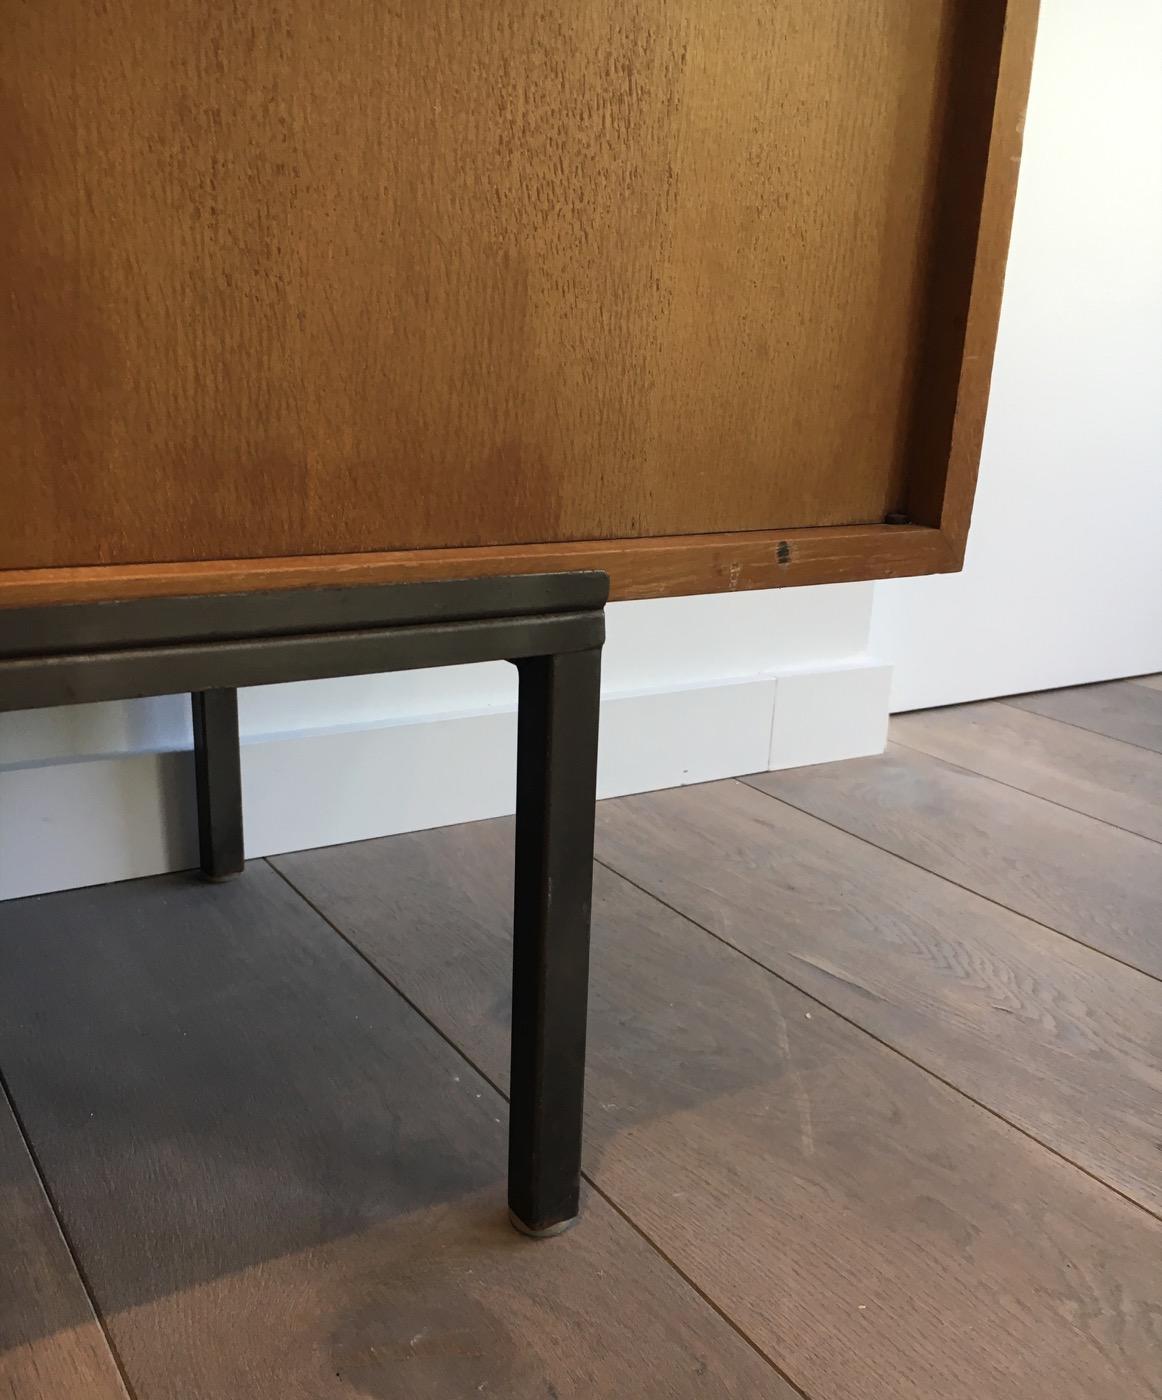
(545, 1234)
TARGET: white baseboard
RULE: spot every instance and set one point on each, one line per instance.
(824, 714)
(70, 823)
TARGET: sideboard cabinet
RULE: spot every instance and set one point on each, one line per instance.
(348, 337)
(698, 293)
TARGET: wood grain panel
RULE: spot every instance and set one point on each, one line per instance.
(657, 568)
(1049, 1034)
(1085, 879)
(1079, 769)
(50, 1344)
(881, 1236)
(285, 1186)
(942, 487)
(288, 282)
(1119, 709)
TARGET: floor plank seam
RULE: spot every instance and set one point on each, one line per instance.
(593, 1186)
(706, 1298)
(6, 1097)
(1072, 724)
(887, 1045)
(1008, 908)
(1013, 787)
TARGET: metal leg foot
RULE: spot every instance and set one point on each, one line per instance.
(547, 1234)
(218, 774)
(556, 791)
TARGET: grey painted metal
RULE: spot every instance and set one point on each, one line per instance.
(556, 780)
(64, 678)
(551, 626)
(82, 627)
(218, 780)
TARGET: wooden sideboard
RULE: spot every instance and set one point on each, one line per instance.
(699, 293)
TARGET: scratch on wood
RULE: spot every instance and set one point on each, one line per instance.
(802, 1099)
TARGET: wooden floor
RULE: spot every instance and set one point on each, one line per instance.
(874, 1100)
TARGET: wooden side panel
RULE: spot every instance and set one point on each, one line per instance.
(942, 484)
(297, 279)
(655, 568)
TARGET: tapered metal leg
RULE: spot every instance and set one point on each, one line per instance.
(217, 767)
(556, 790)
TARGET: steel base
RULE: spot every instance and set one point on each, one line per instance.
(551, 626)
(550, 1231)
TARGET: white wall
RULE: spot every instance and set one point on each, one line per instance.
(694, 688)
(1063, 578)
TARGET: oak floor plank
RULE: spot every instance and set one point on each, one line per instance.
(882, 1236)
(284, 1185)
(1078, 875)
(51, 1347)
(1052, 1036)
(1105, 778)
(1119, 709)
